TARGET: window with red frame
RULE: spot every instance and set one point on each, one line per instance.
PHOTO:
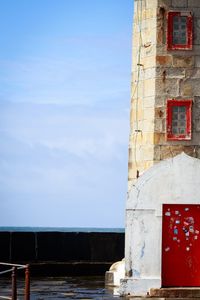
(180, 31)
(179, 119)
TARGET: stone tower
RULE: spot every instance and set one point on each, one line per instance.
(165, 121)
(165, 88)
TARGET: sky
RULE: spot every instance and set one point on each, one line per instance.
(65, 68)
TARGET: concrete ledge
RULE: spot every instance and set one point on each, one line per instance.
(185, 293)
(28, 246)
(56, 269)
(138, 287)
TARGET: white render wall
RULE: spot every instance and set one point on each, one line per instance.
(172, 181)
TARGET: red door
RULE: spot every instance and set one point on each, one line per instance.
(181, 245)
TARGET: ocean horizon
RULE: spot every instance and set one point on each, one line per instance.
(59, 229)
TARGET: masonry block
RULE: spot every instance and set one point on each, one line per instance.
(160, 112)
(196, 38)
(148, 126)
(167, 88)
(193, 3)
(197, 102)
(190, 87)
(179, 3)
(149, 114)
(148, 62)
(148, 164)
(192, 73)
(164, 60)
(149, 102)
(196, 12)
(165, 3)
(150, 13)
(159, 125)
(170, 73)
(173, 150)
(183, 61)
(197, 152)
(159, 138)
(197, 125)
(187, 90)
(157, 153)
(152, 4)
(197, 61)
(149, 87)
(160, 100)
(147, 152)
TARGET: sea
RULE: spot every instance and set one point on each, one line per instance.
(60, 229)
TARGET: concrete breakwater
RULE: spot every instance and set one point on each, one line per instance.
(63, 253)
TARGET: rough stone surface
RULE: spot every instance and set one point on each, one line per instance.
(183, 61)
(165, 60)
(193, 3)
(185, 293)
(164, 3)
(163, 75)
(179, 3)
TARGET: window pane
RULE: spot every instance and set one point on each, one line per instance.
(182, 131)
(174, 130)
(179, 30)
(182, 109)
(176, 18)
(182, 116)
(178, 120)
(183, 20)
(175, 108)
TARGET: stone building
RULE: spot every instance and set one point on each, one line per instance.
(165, 78)
(163, 205)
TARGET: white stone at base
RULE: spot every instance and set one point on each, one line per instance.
(115, 274)
(138, 287)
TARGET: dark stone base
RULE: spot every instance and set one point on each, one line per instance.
(184, 293)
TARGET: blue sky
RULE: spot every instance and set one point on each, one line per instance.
(65, 70)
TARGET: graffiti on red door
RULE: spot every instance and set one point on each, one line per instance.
(181, 245)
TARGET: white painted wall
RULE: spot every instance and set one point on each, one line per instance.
(172, 181)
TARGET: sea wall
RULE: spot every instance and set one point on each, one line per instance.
(81, 253)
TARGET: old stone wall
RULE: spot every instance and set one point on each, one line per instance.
(158, 75)
(177, 77)
(141, 147)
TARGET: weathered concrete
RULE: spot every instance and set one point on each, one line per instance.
(175, 181)
(115, 274)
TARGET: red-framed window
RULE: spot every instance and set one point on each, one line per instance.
(179, 119)
(180, 31)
